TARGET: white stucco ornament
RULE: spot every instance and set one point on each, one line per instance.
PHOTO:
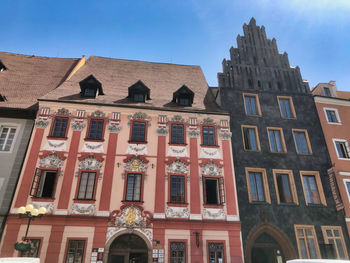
(90, 163)
(177, 167)
(137, 149)
(51, 161)
(177, 151)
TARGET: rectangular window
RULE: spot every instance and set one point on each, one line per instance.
(75, 252)
(333, 235)
(208, 134)
(95, 129)
(307, 242)
(184, 101)
(86, 185)
(138, 131)
(327, 92)
(276, 139)
(302, 142)
(139, 97)
(216, 252)
(313, 190)
(251, 104)
(177, 134)
(258, 190)
(34, 252)
(59, 127)
(44, 184)
(7, 135)
(250, 138)
(285, 187)
(133, 187)
(332, 116)
(177, 252)
(347, 186)
(286, 107)
(342, 149)
(177, 189)
(214, 192)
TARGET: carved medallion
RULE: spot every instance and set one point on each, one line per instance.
(177, 167)
(211, 169)
(90, 163)
(135, 165)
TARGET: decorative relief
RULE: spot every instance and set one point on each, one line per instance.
(225, 135)
(137, 149)
(90, 163)
(177, 167)
(42, 124)
(211, 213)
(94, 147)
(211, 169)
(111, 231)
(63, 111)
(54, 145)
(179, 212)
(135, 165)
(51, 161)
(139, 116)
(114, 128)
(177, 118)
(48, 206)
(78, 126)
(193, 133)
(208, 121)
(98, 113)
(177, 151)
(83, 209)
(130, 216)
(209, 153)
(162, 131)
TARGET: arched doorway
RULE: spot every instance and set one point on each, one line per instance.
(128, 248)
(266, 249)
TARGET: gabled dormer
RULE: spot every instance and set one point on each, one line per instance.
(90, 87)
(183, 96)
(139, 92)
(2, 66)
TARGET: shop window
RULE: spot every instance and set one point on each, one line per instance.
(177, 252)
(75, 251)
(7, 135)
(214, 191)
(95, 131)
(312, 186)
(177, 189)
(133, 187)
(250, 138)
(307, 242)
(208, 135)
(342, 148)
(138, 131)
(334, 235)
(251, 104)
(276, 140)
(44, 183)
(34, 251)
(86, 185)
(285, 187)
(59, 127)
(216, 252)
(286, 107)
(258, 190)
(302, 142)
(177, 134)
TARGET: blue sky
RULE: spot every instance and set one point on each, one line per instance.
(315, 33)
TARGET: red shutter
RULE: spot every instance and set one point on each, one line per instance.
(35, 183)
(204, 192)
(222, 190)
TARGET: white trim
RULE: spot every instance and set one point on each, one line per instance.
(336, 114)
(346, 145)
(345, 173)
(195, 217)
(346, 189)
(61, 212)
(10, 125)
(347, 219)
(159, 216)
(102, 213)
(232, 218)
(332, 101)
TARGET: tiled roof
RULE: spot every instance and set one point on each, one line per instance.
(27, 78)
(343, 94)
(117, 75)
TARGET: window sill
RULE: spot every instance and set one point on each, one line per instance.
(334, 123)
(210, 146)
(177, 204)
(47, 199)
(145, 142)
(344, 159)
(84, 201)
(213, 206)
(256, 151)
(316, 205)
(304, 154)
(177, 144)
(259, 203)
(288, 204)
(132, 202)
(278, 152)
(56, 138)
(94, 140)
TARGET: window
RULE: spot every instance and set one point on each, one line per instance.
(285, 187)
(258, 190)
(216, 252)
(7, 135)
(307, 241)
(347, 186)
(138, 131)
(44, 183)
(184, 101)
(342, 148)
(183, 96)
(302, 142)
(177, 134)
(34, 252)
(276, 139)
(327, 92)
(133, 187)
(89, 93)
(208, 134)
(177, 189)
(75, 252)
(139, 97)
(139, 92)
(286, 107)
(86, 185)
(250, 138)
(312, 186)
(95, 131)
(333, 235)
(177, 252)
(214, 191)
(251, 104)
(332, 116)
(59, 127)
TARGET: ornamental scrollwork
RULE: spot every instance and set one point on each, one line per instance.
(162, 131)
(78, 126)
(177, 212)
(51, 161)
(63, 111)
(135, 165)
(139, 116)
(208, 121)
(114, 128)
(130, 217)
(211, 214)
(225, 135)
(83, 209)
(177, 167)
(177, 118)
(42, 124)
(90, 163)
(211, 169)
(98, 113)
(193, 133)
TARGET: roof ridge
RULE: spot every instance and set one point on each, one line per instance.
(34, 56)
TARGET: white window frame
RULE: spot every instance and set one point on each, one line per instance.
(346, 189)
(347, 148)
(336, 114)
(10, 125)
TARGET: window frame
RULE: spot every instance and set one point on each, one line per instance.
(341, 237)
(308, 143)
(50, 136)
(132, 128)
(319, 187)
(185, 241)
(220, 187)
(256, 137)
(76, 239)
(265, 182)
(89, 126)
(171, 133)
(215, 145)
(9, 126)
(258, 109)
(291, 185)
(325, 93)
(38, 173)
(170, 202)
(142, 174)
(325, 109)
(292, 109)
(347, 148)
(304, 227)
(223, 242)
(345, 181)
(79, 182)
(283, 142)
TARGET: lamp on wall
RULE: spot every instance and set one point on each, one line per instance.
(31, 213)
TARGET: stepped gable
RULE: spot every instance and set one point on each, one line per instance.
(117, 75)
(256, 64)
(25, 78)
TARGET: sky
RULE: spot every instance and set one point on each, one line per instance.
(314, 33)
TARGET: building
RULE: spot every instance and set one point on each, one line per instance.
(333, 108)
(133, 161)
(23, 79)
(280, 155)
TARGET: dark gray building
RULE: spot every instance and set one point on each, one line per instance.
(286, 205)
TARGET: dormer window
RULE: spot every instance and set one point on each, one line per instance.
(3, 98)
(327, 92)
(139, 92)
(2, 66)
(90, 87)
(183, 97)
